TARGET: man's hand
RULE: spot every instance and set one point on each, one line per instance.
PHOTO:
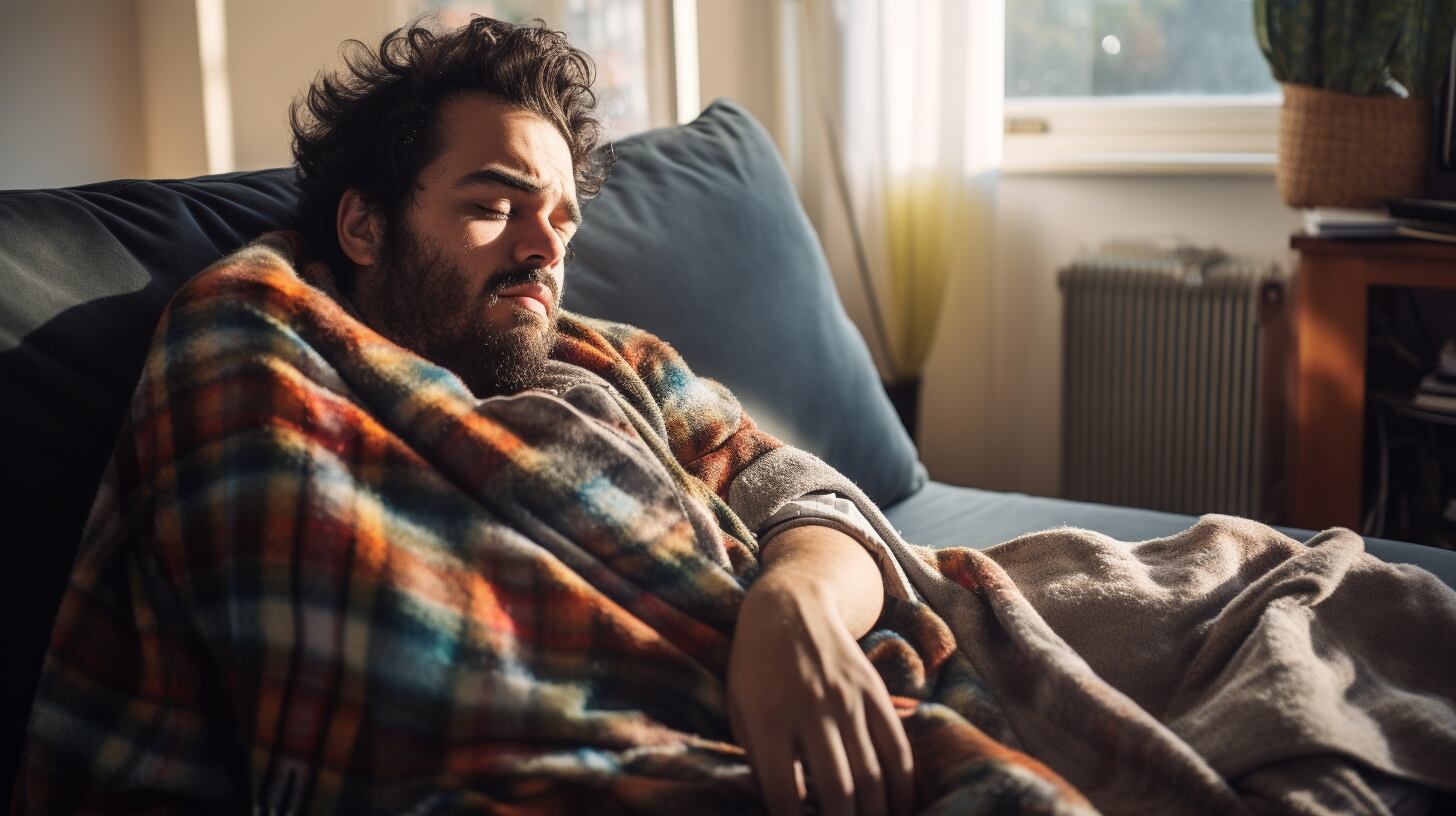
(800, 688)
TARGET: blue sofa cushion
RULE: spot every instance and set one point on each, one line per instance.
(943, 515)
(699, 237)
(86, 272)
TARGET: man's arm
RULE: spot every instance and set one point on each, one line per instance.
(822, 560)
(800, 688)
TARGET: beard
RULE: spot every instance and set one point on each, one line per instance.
(425, 303)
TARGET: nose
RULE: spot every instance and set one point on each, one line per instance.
(538, 244)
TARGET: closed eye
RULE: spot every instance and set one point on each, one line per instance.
(492, 213)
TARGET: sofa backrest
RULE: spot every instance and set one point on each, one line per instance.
(697, 236)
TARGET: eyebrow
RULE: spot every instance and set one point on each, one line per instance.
(517, 181)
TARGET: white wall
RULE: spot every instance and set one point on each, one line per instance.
(739, 57)
(102, 89)
(1000, 427)
(269, 64)
(70, 92)
(1043, 222)
(171, 89)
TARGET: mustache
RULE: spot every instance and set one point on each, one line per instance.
(517, 276)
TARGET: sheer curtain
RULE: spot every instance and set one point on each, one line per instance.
(902, 118)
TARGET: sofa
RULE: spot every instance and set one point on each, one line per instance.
(697, 236)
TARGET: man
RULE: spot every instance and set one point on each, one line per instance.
(441, 180)
(387, 530)
(464, 264)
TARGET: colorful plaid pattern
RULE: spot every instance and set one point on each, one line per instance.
(321, 577)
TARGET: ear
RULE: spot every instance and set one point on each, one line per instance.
(359, 229)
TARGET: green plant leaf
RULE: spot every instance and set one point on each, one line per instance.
(1425, 47)
(1357, 46)
(1288, 33)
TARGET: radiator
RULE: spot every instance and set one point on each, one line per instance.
(1170, 380)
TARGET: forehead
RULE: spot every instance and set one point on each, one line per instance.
(477, 130)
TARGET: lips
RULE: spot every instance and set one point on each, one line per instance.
(536, 297)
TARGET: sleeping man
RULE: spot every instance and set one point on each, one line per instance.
(387, 530)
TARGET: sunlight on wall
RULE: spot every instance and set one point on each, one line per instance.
(217, 105)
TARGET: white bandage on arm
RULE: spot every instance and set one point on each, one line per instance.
(828, 509)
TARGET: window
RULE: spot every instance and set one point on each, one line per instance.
(631, 42)
(1128, 84)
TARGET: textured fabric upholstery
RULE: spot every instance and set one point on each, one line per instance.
(943, 515)
(86, 272)
(698, 236)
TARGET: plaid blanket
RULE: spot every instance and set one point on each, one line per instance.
(321, 577)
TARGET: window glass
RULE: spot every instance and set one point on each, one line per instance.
(613, 32)
(1133, 47)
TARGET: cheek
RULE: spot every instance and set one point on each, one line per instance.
(477, 233)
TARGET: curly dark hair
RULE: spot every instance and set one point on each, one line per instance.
(374, 125)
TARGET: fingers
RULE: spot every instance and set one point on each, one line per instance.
(865, 765)
(810, 701)
(782, 796)
(735, 722)
(778, 776)
(865, 768)
(828, 764)
(893, 748)
(881, 764)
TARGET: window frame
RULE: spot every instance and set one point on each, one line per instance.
(670, 53)
(1186, 134)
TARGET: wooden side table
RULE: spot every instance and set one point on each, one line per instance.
(1326, 397)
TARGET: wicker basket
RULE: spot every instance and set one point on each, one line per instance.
(1342, 150)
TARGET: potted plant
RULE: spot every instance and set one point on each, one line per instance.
(1358, 77)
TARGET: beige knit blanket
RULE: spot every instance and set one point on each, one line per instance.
(1255, 673)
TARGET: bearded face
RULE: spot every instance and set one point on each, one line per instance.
(430, 305)
(470, 273)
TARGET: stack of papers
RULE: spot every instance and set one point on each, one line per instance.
(1340, 222)
(1437, 392)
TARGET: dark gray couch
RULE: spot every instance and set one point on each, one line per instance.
(697, 237)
